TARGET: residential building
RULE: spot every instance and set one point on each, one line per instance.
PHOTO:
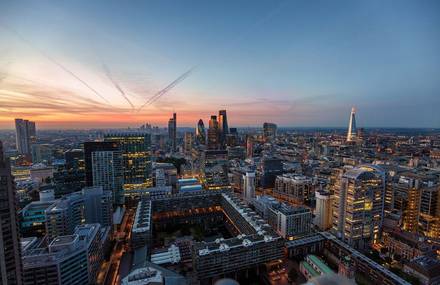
(358, 205)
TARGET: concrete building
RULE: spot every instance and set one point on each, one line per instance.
(25, 135)
(104, 167)
(249, 186)
(142, 225)
(289, 222)
(10, 259)
(64, 261)
(33, 218)
(64, 215)
(93, 239)
(424, 268)
(323, 211)
(358, 206)
(98, 206)
(294, 188)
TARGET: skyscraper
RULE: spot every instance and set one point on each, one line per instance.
(188, 142)
(269, 130)
(172, 132)
(249, 146)
(358, 205)
(223, 126)
(351, 134)
(137, 160)
(200, 133)
(10, 252)
(213, 133)
(25, 135)
(103, 161)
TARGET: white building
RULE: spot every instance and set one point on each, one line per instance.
(323, 210)
(249, 186)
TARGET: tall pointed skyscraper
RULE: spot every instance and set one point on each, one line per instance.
(351, 134)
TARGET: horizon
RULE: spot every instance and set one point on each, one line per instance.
(76, 65)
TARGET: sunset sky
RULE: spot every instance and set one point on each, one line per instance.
(83, 64)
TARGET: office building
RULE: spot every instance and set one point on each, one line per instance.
(91, 235)
(25, 135)
(64, 215)
(69, 175)
(358, 205)
(63, 261)
(188, 142)
(201, 133)
(249, 186)
(213, 134)
(41, 153)
(294, 188)
(10, 257)
(98, 206)
(351, 133)
(268, 170)
(172, 132)
(215, 169)
(249, 147)
(288, 221)
(104, 167)
(323, 210)
(223, 126)
(33, 218)
(137, 158)
(269, 131)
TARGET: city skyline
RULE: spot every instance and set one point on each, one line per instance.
(88, 65)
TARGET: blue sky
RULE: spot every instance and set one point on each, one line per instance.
(296, 63)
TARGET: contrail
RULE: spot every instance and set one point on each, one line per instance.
(167, 88)
(107, 72)
(53, 61)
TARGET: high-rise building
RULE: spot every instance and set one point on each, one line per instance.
(25, 135)
(223, 126)
(69, 177)
(358, 205)
(41, 153)
(269, 130)
(172, 132)
(249, 186)
(213, 133)
(249, 147)
(188, 142)
(104, 167)
(200, 133)
(98, 206)
(137, 158)
(351, 133)
(64, 215)
(323, 210)
(10, 257)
